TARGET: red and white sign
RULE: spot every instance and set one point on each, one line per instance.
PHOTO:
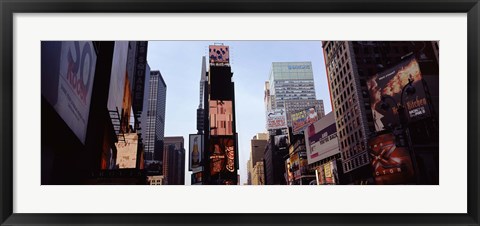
(276, 119)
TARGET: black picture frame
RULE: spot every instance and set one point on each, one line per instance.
(10, 7)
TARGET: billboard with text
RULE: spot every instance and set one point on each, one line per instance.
(68, 71)
(388, 86)
(321, 139)
(391, 164)
(302, 119)
(276, 119)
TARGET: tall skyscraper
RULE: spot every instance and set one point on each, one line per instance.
(155, 120)
(349, 66)
(221, 154)
(174, 161)
(291, 87)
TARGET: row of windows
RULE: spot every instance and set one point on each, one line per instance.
(354, 163)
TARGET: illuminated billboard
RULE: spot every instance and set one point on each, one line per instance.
(127, 151)
(67, 81)
(391, 164)
(298, 165)
(302, 119)
(222, 155)
(219, 54)
(221, 117)
(276, 119)
(388, 86)
(321, 139)
(327, 173)
(195, 152)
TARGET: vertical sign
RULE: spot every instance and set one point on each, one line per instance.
(141, 61)
(195, 152)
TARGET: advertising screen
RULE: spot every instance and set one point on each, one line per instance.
(389, 85)
(304, 118)
(221, 117)
(222, 155)
(391, 164)
(67, 84)
(321, 139)
(219, 54)
(327, 173)
(196, 152)
(276, 119)
(281, 140)
(298, 165)
(127, 151)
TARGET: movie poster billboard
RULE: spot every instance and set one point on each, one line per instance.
(276, 119)
(298, 165)
(321, 139)
(281, 140)
(391, 164)
(389, 85)
(222, 155)
(304, 118)
(67, 80)
(195, 152)
(127, 151)
(327, 174)
(221, 117)
(219, 54)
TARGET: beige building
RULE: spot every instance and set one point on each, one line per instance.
(257, 149)
(258, 175)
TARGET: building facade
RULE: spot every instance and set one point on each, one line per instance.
(349, 65)
(155, 122)
(257, 149)
(291, 86)
(174, 161)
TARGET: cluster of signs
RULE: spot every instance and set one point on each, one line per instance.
(393, 164)
(327, 174)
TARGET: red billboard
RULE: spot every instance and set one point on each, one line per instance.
(219, 54)
(222, 155)
(391, 164)
(388, 86)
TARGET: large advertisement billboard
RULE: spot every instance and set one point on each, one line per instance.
(219, 54)
(391, 164)
(321, 139)
(302, 119)
(276, 119)
(388, 86)
(327, 174)
(195, 152)
(222, 155)
(68, 84)
(127, 151)
(221, 117)
(298, 165)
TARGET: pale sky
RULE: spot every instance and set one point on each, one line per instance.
(179, 62)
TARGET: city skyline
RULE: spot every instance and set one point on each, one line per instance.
(251, 62)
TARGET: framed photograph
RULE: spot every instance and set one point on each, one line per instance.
(349, 113)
